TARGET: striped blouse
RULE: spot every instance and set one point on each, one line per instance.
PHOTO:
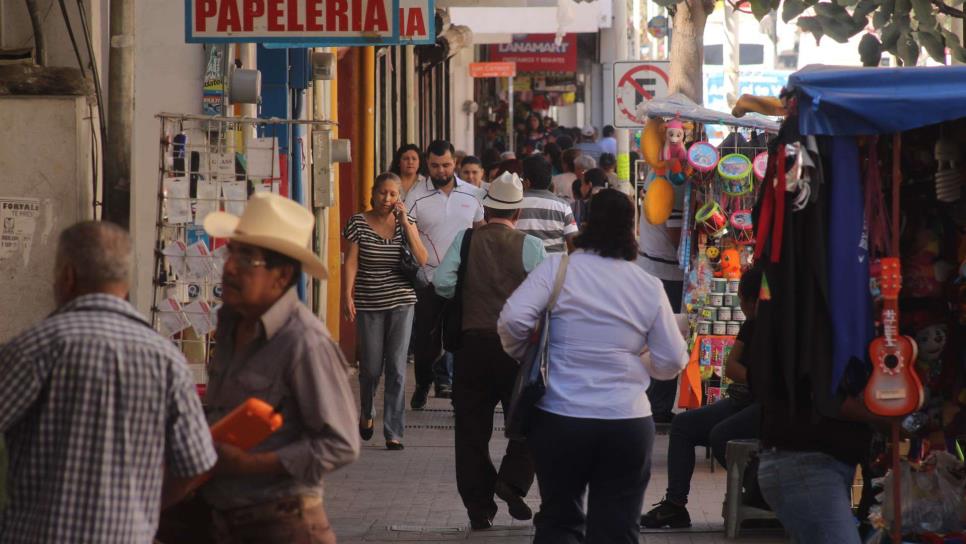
(380, 284)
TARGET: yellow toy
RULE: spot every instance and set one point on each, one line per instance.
(658, 201)
(652, 144)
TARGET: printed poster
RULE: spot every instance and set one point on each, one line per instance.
(18, 225)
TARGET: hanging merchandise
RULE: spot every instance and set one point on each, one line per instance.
(735, 171)
(658, 201)
(760, 165)
(714, 221)
(703, 157)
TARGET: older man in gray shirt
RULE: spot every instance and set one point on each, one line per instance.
(270, 346)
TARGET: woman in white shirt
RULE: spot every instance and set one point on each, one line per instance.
(612, 330)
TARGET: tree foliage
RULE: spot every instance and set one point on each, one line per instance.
(901, 27)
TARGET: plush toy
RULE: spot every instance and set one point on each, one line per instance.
(658, 201)
(931, 341)
(652, 140)
(731, 264)
(713, 253)
(674, 142)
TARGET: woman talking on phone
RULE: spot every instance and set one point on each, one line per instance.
(380, 299)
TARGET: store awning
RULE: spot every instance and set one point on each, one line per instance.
(678, 104)
(852, 101)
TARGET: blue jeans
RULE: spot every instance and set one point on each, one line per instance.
(712, 425)
(810, 494)
(384, 339)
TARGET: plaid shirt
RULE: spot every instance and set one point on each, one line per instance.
(95, 406)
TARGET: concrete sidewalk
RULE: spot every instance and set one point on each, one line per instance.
(410, 495)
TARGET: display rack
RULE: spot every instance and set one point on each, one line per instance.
(206, 164)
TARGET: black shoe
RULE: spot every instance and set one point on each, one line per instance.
(420, 395)
(667, 514)
(366, 429)
(480, 523)
(518, 508)
(444, 391)
(394, 445)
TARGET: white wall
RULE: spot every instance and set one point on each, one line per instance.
(45, 156)
(168, 77)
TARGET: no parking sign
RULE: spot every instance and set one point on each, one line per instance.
(637, 82)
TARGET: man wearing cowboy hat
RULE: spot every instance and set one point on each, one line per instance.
(272, 347)
(498, 260)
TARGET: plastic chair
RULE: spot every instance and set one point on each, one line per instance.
(735, 511)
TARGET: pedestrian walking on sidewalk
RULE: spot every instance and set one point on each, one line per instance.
(98, 408)
(612, 329)
(545, 215)
(408, 165)
(498, 258)
(272, 347)
(380, 300)
(443, 206)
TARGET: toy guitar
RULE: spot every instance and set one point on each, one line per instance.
(894, 388)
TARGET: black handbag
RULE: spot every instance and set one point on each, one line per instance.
(408, 265)
(452, 319)
(534, 373)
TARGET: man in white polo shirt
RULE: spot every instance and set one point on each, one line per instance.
(443, 206)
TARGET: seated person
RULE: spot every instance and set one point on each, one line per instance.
(734, 417)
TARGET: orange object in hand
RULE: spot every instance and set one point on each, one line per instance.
(248, 425)
(245, 427)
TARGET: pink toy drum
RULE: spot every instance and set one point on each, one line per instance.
(703, 156)
(760, 165)
(714, 220)
(742, 223)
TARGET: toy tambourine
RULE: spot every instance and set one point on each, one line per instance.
(702, 156)
(760, 165)
(712, 218)
(735, 171)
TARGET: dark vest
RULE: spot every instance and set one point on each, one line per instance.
(493, 271)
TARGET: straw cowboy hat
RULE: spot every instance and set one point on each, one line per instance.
(505, 193)
(271, 222)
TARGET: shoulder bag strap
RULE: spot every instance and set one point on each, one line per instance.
(558, 282)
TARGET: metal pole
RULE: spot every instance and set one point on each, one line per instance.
(509, 121)
(40, 43)
(120, 114)
(622, 135)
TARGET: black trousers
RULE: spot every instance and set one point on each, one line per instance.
(427, 340)
(608, 459)
(661, 393)
(483, 377)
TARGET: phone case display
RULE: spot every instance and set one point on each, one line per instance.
(206, 164)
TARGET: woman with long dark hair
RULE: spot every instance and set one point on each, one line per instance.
(611, 331)
(409, 166)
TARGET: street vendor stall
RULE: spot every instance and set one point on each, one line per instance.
(707, 191)
(861, 230)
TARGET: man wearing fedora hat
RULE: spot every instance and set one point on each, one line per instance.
(272, 347)
(498, 260)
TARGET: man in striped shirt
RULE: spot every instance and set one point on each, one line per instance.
(545, 215)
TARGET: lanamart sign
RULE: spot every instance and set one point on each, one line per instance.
(316, 22)
(538, 53)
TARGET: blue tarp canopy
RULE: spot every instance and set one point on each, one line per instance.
(839, 101)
